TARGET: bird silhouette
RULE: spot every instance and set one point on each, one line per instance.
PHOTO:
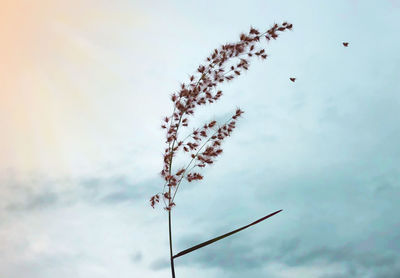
(346, 44)
(292, 79)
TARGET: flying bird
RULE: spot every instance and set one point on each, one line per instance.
(292, 79)
(346, 44)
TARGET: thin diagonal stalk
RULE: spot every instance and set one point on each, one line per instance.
(193, 158)
(191, 249)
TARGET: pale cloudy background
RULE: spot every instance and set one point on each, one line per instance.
(84, 85)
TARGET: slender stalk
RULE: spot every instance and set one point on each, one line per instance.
(169, 211)
(170, 245)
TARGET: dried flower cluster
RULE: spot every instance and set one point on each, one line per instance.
(203, 144)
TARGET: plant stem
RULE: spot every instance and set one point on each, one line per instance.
(170, 245)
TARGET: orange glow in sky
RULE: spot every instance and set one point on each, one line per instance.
(45, 48)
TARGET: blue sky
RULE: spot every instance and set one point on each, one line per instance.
(324, 149)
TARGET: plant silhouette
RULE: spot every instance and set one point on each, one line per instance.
(204, 144)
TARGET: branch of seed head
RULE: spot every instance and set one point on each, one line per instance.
(248, 40)
(205, 69)
(229, 51)
(173, 113)
(171, 148)
(260, 53)
(185, 173)
(215, 58)
(154, 201)
(197, 155)
(173, 119)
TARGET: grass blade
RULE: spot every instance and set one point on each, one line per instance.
(191, 249)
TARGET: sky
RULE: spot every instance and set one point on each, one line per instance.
(84, 86)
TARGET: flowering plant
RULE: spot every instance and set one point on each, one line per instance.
(203, 144)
